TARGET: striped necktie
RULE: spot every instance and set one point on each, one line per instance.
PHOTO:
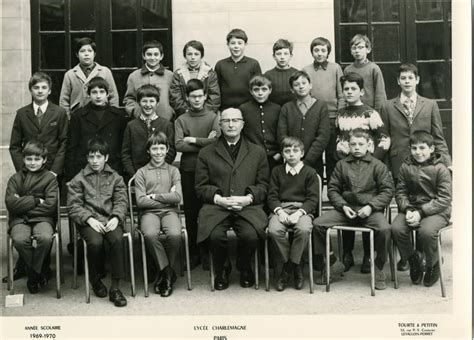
(39, 115)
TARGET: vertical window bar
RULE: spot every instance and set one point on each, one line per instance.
(139, 34)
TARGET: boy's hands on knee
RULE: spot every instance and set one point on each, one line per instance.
(349, 212)
(112, 224)
(96, 225)
(365, 211)
(413, 218)
(282, 216)
(294, 218)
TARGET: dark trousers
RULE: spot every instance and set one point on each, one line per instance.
(95, 254)
(330, 152)
(348, 240)
(192, 205)
(247, 242)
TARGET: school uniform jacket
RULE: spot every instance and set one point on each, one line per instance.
(52, 132)
(216, 173)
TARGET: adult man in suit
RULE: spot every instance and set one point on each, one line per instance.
(231, 180)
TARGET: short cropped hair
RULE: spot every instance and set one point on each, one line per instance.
(421, 137)
(35, 148)
(98, 145)
(295, 75)
(157, 137)
(407, 68)
(320, 41)
(194, 44)
(237, 33)
(260, 81)
(99, 82)
(152, 44)
(289, 142)
(194, 85)
(148, 90)
(361, 133)
(281, 44)
(85, 41)
(356, 39)
(352, 77)
(38, 77)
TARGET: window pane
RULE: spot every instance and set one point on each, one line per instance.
(448, 5)
(155, 14)
(52, 51)
(74, 38)
(389, 72)
(450, 46)
(385, 10)
(52, 15)
(82, 15)
(385, 43)
(120, 77)
(433, 80)
(57, 78)
(429, 10)
(124, 14)
(165, 38)
(124, 51)
(429, 41)
(347, 32)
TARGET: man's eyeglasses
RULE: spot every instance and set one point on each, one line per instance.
(358, 47)
(233, 120)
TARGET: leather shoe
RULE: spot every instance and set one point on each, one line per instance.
(17, 274)
(32, 285)
(247, 278)
(402, 266)
(221, 281)
(299, 278)
(99, 289)
(166, 285)
(117, 298)
(365, 266)
(348, 261)
(283, 281)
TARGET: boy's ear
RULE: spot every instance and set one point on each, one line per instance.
(432, 149)
(106, 157)
(362, 92)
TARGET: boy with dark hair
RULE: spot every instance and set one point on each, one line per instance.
(357, 200)
(137, 132)
(31, 200)
(424, 204)
(325, 77)
(307, 119)
(374, 95)
(96, 119)
(261, 119)
(151, 73)
(235, 72)
(194, 129)
(74, 93)
(280, 74)
(97, 203)
(293, 196)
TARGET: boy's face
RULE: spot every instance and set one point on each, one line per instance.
(97, 161)
(86, 55)
(360, 51)
(158, 153)
(301, 87)
(40, 92)
(260, 93)
(292, 155)
(98, 96)
(148, 105)
(153, 57)
(320, 53)
(358, 146)
(408, 82)
(236, 47)
(196, 99)
(421, 152)
(34, 162)
(352, 92)
(193, 57)
(282, 57)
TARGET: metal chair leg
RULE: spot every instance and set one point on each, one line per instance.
(211, 270)
(372, 264)
(188, 262)
(130, 257)
(310, 263)
(267, 267)
(340, 244)
(393, 264)
(440, 259)
(10, 265)
(86, 273)
(74, 265)
(328, 264)
(257, 279)
(144, 264)
(58, 267)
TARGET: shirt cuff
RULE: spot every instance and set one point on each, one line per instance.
(302, 211)
(276, 210)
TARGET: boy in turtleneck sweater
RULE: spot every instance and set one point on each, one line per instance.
(194, 129)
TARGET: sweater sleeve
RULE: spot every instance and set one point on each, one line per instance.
(181, 146)
(311, 194)
(379, 131)
(58, 164)
(127, 151)
(282, 130)
(213, 101)
(379, 89)
(339, 95)
(176, 196)
(171, 154)
(143, 201)
(443, 198)
(130, 97)
(321, 138)
(274, 190)
(113, 93)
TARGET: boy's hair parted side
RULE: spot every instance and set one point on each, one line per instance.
(194, 44)
(407, 67)
(194, 85)
(35, 148)
(99, 82)
(157, 137)
(148, 90)
(38, 77)
(152, 44)
(320, 41)
(260, 81)
(237, 33)
(99, 145)
(361, 133)
(295, 75)
(356, 39)
(289, 142)
(352, 77)
(281, 44)
(84, 41)
(421, 137)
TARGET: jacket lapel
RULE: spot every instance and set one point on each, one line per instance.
(79, 74)
(32, 117)
(106, 119)
(94, 72)
(243, 151)
(222, 151)
(419, 106)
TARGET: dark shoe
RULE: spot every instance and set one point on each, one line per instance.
(283, 281)
(336, 271)
(380, 279)
(156, 287)
(166, 284)
(117, 298)
(431, 275)
(416, 270)
(247, 278)
(348, 261)
(100, 290)
(43, 279)
(221, 281)
(402, 266)
(365, 266)
(17, 274)
(32, 285)
(299, 278)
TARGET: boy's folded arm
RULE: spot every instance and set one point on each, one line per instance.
(14, 202)
(49, 205)
(443, 199)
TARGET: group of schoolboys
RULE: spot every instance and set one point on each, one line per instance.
(296, 116)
